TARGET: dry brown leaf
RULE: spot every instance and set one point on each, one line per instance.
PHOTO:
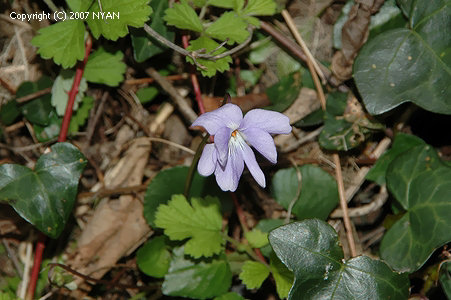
(353, 35)
(246, 102)
(117, 226)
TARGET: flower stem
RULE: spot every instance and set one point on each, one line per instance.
(192, 168)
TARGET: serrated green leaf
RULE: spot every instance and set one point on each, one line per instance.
(60, 90)
(211, 66)
(197, 279)
(419, 181)
(62, 41)
(105, 67)
(409, 64)
(260, 8)
(200, 222)
(253, 274)
(256, 238)
(44, 197)
(145, 46)
(79, 118)
(116, 15)
(401, 143)
(79, 5)
(153, 257)
(183, 16)
(311, 249)
(318, 195)
(229, 296)
(228, 26)
(282, 276)
(171, 181)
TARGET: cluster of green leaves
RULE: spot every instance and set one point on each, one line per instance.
(231, 26)
(192, 248)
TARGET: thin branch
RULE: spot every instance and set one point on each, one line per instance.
(33, 95)
(195, 54)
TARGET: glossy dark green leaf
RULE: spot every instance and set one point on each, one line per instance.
(154, 256)
(318, 195)
(420, 182)
(38, 110)
(311, 250)
(409, 64)
(198, 279)
(144, 46)
(315, 118)
(45, 196)
(282, 94)
(172, 181)
(401, 143)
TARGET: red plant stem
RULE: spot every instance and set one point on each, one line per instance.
(73, 93)
(194, 81)
(40, 244)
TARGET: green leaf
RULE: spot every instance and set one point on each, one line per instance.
(318, 195)
(266, 225)
(79, 118)
(146, 94)
(401, 143)
(283, 93)
(44, 197)
(256, 238)
(105, 67)
(412, 64)
(116, 15)
(62, 41)
(60, 90)
(153, 257)
(197, 279)
(282, 276)
(9, 112)
(311, 249)
(79, 5)
(211, 66)
(260, 8)
(419, 181)
(228, 26)
(171, 181)
(200, 222)
(253, 274)
(145, 46)
(237, 5)
(229, 296)
(38, 111)
(49, 131)
(183, 16)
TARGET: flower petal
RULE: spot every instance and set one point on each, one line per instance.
(262, 142)
(228, 176)
(207, 162)
(270, 121)
(229, 115)
(252, 165)
(222, 138)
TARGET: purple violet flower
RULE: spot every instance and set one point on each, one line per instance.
(232, 134)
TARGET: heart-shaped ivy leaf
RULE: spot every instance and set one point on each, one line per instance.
(311, 250)
(419, 180)
(44, 197)
(409, 64)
